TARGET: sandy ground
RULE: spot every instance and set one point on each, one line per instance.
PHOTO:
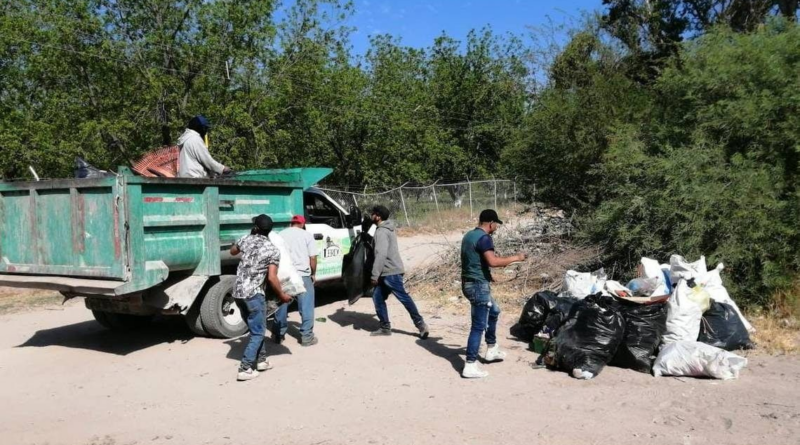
(65, 380)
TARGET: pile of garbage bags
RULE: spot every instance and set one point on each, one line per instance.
(675, 319)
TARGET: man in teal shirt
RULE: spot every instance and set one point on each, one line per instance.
(477, 256)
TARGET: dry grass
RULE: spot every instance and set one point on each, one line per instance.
(777, 327)
(775, 334)
(449, 220)
(19, 300)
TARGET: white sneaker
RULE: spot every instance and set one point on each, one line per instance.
(248, 374)
(471, 371)
(263, 366)
(494, 354)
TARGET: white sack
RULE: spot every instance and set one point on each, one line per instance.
(291, 281)
(651, 269)
(685, 309)
(695, 359)
(713, 284)
(679, 268)
(580, 285)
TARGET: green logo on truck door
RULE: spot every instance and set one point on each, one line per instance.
(331, 254)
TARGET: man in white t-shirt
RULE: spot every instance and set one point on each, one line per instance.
(303, 249)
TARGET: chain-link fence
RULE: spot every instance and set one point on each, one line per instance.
(414, 205)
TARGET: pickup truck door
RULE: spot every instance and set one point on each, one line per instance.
(334, 239)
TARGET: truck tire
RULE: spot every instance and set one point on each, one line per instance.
(121, 322)
(194, 321)
(101, 318)
(220, 315)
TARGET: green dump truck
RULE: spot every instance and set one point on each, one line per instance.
(135, 246)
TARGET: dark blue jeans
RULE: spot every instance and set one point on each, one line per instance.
(305, 305)
(393, 284)
(485, 313)
(257, 322)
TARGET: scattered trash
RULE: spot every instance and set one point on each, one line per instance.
(722, 328)
(321, 319)
(695, 359)
(85, 170)
(587, 341)
(645, 287)
(616, 289)
(539, 343)
(644, 326)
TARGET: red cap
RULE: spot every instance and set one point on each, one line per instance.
(298, 219)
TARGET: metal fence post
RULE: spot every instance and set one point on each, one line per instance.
(471, 213)
(435, 199)
(402, 200)
(515, 193)
(495, 192)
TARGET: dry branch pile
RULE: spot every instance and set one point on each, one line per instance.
(543, 234)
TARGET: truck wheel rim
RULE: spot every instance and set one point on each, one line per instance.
(230, 311)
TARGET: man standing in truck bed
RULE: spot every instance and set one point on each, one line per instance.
(195, 161)
(387, 275)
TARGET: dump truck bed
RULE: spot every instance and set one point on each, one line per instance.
(123, 234)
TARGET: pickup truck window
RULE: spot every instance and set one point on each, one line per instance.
(319, 211)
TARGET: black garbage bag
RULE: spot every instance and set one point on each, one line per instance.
(84, 169)
(644, 326)
(558, 314)
(587, 341)
(544, 311)
(722, 327)
(533, 315)
(357, 268)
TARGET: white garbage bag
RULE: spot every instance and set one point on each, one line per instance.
(291, 281)
(651, 269)
(685, 309)
(695, 359)
(679, 268)
(713, 284)
(582, 284)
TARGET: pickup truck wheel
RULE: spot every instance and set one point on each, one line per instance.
(121, 322)
(193, 320)
(219, 313)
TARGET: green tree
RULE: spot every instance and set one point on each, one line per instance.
(713, 170)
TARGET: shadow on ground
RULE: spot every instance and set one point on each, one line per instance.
(452, 353)
(358, 320)
(238, 344)
(92, 336)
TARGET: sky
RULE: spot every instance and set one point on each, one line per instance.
(419, 22)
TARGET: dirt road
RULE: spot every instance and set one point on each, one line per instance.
(65, 380)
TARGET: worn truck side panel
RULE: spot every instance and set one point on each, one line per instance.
(129, 233)
(69, 228)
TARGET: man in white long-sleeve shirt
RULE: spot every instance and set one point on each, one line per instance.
(195, 160)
